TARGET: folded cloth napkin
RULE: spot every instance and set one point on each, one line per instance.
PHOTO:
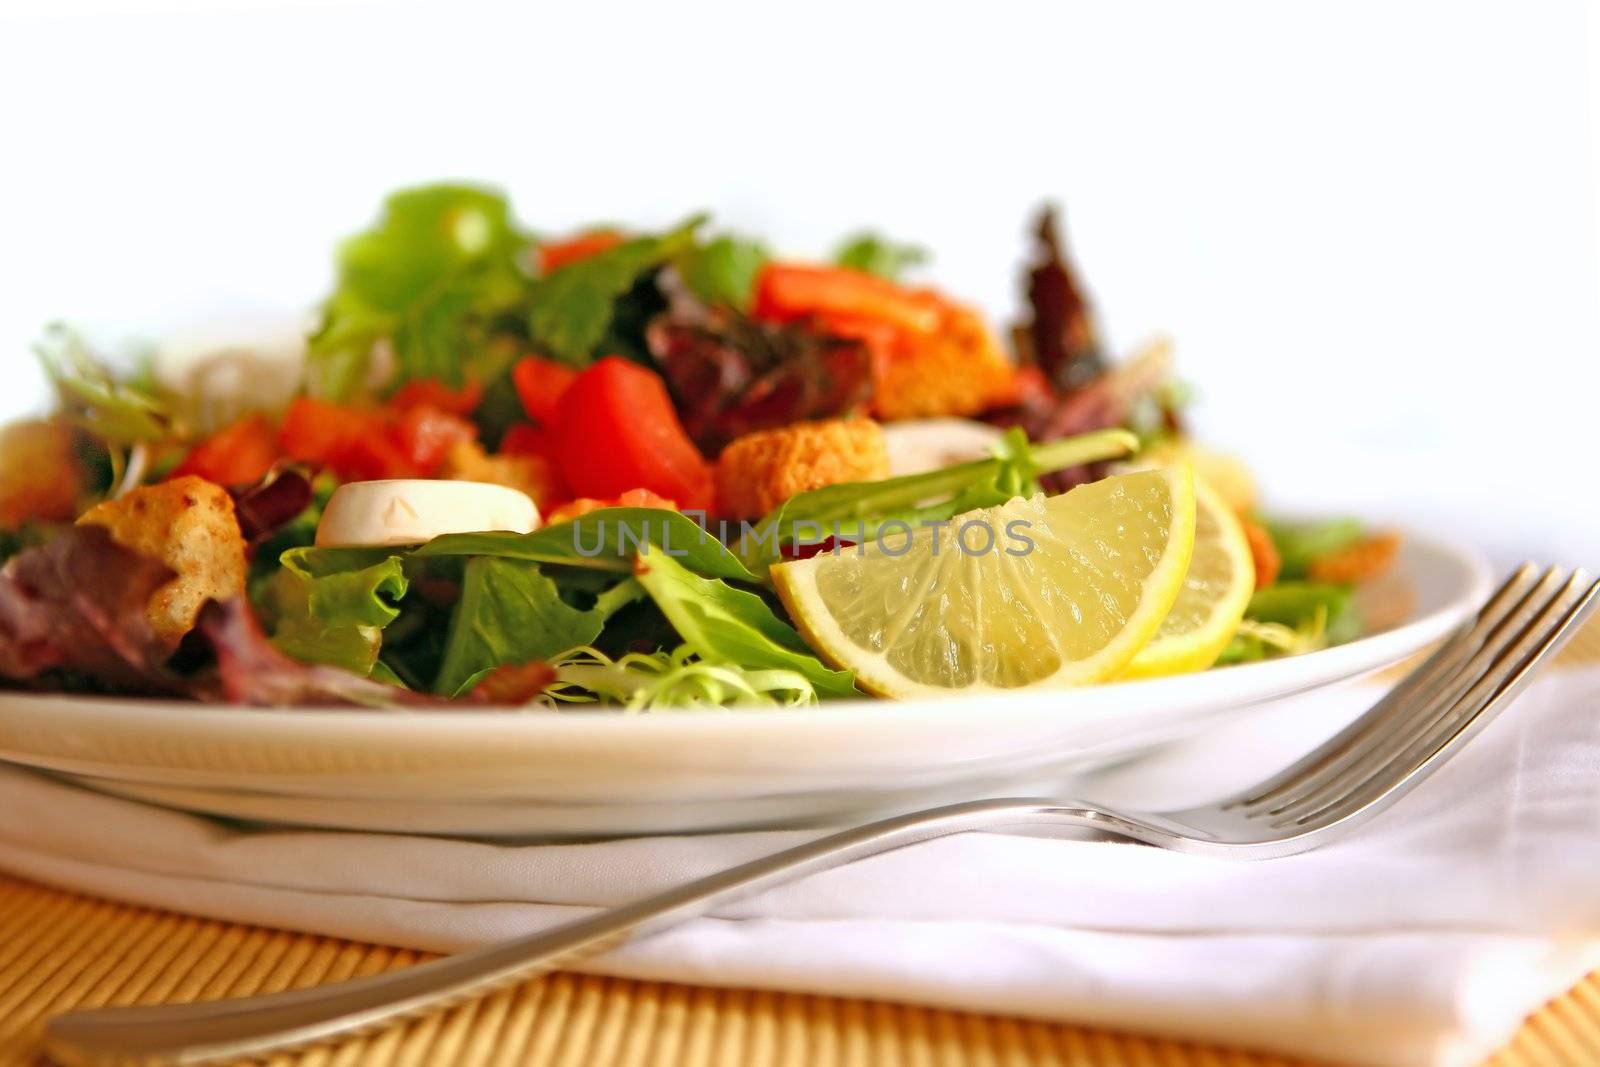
(1422, 939)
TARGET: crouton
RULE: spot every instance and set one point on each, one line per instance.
(959, 369)
(532, 474)
(633, 498)
(759, 471)
(1360, 562)
(189, 524)
(39, 475)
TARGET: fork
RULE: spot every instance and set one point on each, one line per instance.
(1422, 722)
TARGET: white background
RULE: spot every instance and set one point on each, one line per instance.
(1371, 227)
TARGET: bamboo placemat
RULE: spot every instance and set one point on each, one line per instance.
(62, 950)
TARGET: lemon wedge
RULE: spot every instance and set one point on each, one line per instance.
(1212, 600)
(1047, 591)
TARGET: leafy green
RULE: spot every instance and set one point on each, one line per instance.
(119, 412)
(299, 532)
(607, 539)
(1299, 544)
(429, 278)
(1296, 604)
(324, 614)
(1255, 640)
(860, 509)
(511, 612)
(878, 255)
(723, 271)
(573, 307)
(733, 626)
(648, 681)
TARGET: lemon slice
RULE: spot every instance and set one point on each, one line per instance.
(1048, 591)
(1213, 598)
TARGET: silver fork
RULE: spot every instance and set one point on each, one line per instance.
(1405, 736)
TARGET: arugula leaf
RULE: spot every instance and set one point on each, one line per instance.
(511, 612)
(607, 539)
(429, 278)
(723, 271)
(1299, 544)
(727, 625)
(573, 306)
(877, 255)
(861, 508)
(323, 614)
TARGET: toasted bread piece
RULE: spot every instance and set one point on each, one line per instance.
(759, 471)
(189, 524)
(959, 369)
(1361, 562)
(532, 474)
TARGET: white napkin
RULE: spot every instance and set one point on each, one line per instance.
(1423, 939)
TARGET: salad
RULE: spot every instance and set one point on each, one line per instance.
(642, 470)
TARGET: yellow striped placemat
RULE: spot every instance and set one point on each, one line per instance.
(61, 950)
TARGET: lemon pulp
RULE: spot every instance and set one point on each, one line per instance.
(1047, 591)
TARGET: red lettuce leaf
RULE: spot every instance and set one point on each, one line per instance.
(272, 503)
(249, 669)
(74, 610)
(730, 375)
(1060, 338)
(74, 615)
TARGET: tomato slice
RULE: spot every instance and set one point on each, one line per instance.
(616, 430)
(540, 384)
(425, 435)
(238, 454)
(789, 291)
(369, 443)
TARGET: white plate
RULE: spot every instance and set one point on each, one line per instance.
(590, 774)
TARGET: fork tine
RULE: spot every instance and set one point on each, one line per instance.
(1336, 753)
(1548, 632)
(1420, 709)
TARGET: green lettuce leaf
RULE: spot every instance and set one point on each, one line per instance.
(327, 614)
(727, 625)
(875, 254)
(573, 306)
(723, 270)
(511, 612)
(429, 278)
(1295, 604)
(1299, 544)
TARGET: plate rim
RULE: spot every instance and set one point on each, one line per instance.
(1330, 664)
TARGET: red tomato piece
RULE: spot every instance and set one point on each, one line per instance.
(526, 439)
(616, 430)
(540, 384)
(425, 435)
(369, 454)
(355, 443)
(434, 393)
(238, 454)
(313, 428)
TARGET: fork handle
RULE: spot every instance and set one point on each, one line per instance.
(255, 1026)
